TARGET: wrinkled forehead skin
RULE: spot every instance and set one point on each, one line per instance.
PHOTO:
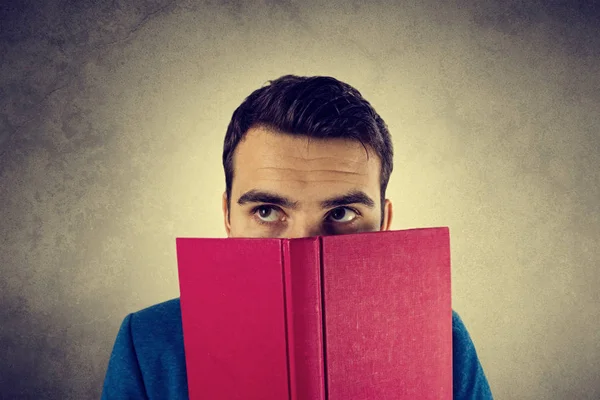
(303, 168)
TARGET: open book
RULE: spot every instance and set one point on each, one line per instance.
(361, 316)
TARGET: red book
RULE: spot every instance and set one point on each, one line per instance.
(363, 316)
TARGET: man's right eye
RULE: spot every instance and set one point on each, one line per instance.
(266, 214)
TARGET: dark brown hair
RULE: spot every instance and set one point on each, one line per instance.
(316, 106)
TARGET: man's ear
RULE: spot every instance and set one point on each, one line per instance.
(387, 215)
(226, 215)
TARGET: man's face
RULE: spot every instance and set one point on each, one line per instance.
(288, 186)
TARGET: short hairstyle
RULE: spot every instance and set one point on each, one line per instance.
(316, 106)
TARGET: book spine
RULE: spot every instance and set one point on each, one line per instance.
(304, 318)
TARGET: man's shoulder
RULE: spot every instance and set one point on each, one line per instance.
(148, 356)
(158, 326)
(457, 323)
(461, 340)
(165, 311)
(468, 376)
(460, 335)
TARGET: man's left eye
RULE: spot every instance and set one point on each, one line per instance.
(342, 214)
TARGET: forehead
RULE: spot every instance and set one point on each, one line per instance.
(298, 164)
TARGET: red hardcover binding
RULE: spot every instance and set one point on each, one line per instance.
(363, 316)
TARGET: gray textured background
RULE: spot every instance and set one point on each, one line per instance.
(111, 126)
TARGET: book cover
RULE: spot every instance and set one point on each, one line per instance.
(359, 316)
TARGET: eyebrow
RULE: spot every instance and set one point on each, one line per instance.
(352, 197)
(260, 196)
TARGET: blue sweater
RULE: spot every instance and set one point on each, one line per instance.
(148, 360)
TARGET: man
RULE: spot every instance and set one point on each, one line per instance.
(303, 156)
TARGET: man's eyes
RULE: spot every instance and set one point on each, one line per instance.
(271, 214)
